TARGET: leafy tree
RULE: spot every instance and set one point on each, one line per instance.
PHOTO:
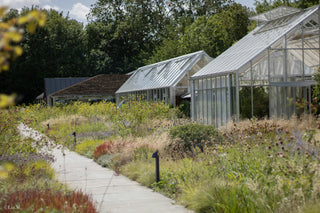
(131, 29)
(11, 30)
(214, 34)
(264, 5)
(136, 30)
(56, 50)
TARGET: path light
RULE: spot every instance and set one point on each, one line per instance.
(75, 139)
(156, 156)
(48, 126)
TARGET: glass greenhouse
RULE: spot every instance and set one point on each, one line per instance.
(166, 81)
(266, 73)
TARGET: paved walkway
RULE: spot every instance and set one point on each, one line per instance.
(111, 193)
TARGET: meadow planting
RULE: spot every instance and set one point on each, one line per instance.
(249, 166)
(27, 181)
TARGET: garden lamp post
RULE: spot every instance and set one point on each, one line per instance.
(156, 156)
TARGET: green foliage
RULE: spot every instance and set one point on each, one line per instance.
(141, 171)
(221, 196)
(193, 135)
(10, 141)
(184, 108)
(213, 33)
(56, 50)
(87, 147)
(32, 171)
(266, 169)
(142, 153)
(134, 117)
(260, 102)
(263, 5)
(105, 160)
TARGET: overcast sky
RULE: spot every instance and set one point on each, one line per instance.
(77, 8)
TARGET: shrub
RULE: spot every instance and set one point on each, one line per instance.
(142, 153)
(40, 200)
(107, 148)
(87, 147)
(221, 196)
(105, 160)
(184, 108)
(194, 135)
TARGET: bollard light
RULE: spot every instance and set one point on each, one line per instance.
(75, 138)
(156, 156)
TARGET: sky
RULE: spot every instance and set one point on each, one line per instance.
(77, 8)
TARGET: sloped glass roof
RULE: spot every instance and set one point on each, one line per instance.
(163, 74)
(276, 13)
(252, 45)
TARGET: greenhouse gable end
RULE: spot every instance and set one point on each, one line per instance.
(266, 73)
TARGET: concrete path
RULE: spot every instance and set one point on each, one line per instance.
(111, 193)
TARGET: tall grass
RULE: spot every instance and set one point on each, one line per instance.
(251, 166)
(27, 181)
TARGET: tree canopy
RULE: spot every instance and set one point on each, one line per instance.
(123, 35)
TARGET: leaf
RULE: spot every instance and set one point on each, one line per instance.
(42, 19)
(2, 11)
(15, 36)
(18, 51)
(31, 28)
(6, 100)
(23, 20)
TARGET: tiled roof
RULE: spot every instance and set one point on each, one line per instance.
(98, 85)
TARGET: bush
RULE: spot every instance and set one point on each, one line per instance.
(221, 196)
(87, 147)
(184, 108)
(194, 135)
(105, 160)
(107, 148)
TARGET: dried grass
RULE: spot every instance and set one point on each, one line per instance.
(304, 122)
(71, 120)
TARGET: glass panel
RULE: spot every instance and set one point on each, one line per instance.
(245, 102)
(260, 102)
(209, 98)
(276, 65)
(219, 104)
(205, 107)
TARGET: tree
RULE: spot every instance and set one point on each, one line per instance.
(124, 33)
(56, 50)
(264, 5)
(214, 34)
(11, 30)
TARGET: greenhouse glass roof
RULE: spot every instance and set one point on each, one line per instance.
(250, 47)
(163, 74)
(276, 13)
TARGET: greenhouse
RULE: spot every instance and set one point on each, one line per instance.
(166, 81)
(266, 73)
